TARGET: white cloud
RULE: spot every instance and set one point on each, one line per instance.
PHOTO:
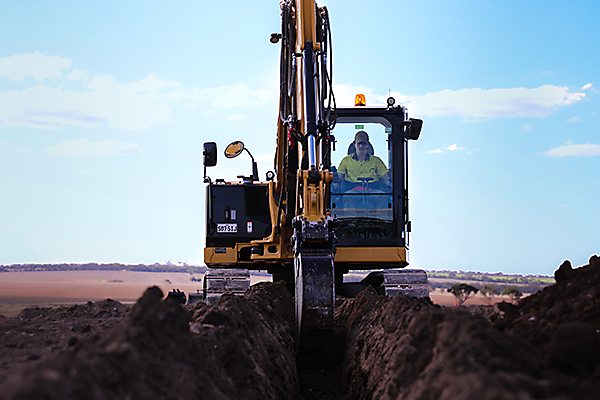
(472, 104)
(77, 75)
(454, 147)
(189, 97)
(236, 117)
(97, 101)
(134, 106)
(473, 120)
(589, 86)
(528, 127)
(237, 95)
(35, 65)
(494, 103)
(25, 150)
(84, 147)
(102, 102)
(101, 82)
(574, 119)
(577, 150)
(223, 97)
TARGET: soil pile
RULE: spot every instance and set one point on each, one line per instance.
(547, 347)
(406, 348)
(37, 332)
(231, 350)
(562, 320)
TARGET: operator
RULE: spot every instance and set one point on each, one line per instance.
(363, 168)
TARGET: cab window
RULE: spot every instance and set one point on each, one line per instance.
(362, 187)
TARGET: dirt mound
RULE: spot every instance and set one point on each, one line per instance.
(37, 332)
(407, 348)
(562, 320)
(229, 351)
(252, 341)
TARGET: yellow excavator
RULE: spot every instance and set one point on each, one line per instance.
(337, 199)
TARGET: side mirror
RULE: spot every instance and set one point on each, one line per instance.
(210, 154)
(414, 129)
(234, 149)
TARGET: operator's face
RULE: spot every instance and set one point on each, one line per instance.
(362, 144)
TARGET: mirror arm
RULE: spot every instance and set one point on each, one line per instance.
(254, 166)
(254, 171)
(209, 206)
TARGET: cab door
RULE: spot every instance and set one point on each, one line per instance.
(369, 196)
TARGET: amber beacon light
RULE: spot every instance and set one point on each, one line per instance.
(359, 100)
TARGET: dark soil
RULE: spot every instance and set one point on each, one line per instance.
(562, 321)
(547, 347)
(37, 332)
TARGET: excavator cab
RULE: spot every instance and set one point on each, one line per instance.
(369, 159)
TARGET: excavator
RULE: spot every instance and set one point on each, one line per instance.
(337, 200)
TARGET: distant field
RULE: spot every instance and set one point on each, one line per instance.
(19, 290)
(47, 288)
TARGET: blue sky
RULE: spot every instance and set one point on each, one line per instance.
(104, 108)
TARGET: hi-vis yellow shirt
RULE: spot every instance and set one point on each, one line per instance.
(353, 169)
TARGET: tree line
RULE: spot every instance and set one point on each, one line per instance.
(156, 267)
(463, 291)
(496, 277)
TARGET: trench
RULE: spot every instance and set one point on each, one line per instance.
(321, 374)
(322, 384)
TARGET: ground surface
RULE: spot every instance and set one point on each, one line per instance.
(19, 290)
(547, 347)
(51, 288)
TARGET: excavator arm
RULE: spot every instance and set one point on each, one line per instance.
(303, 137)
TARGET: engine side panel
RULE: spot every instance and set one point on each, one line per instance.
(240, 213)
